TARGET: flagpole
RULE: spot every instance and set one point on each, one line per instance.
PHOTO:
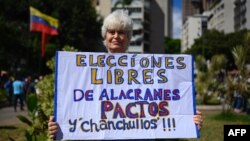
(43, 43)
(43, 49)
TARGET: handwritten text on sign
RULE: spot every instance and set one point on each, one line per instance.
(124, 96)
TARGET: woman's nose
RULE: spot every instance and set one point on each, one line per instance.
(116, 35)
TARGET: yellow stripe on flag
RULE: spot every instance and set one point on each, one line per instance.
(52, 21)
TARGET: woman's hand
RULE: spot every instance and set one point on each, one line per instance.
(198, 119)
(53, 127)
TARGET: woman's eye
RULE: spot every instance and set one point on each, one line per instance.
(112, 32)
(121, 32)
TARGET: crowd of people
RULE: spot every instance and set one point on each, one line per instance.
(16, 89)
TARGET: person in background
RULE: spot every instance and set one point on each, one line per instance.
(18, 90)
(116, 31)
(31, 88)
(9, 89)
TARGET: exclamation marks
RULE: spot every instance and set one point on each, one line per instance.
(171, 124)
(164, 126)
(173, 121)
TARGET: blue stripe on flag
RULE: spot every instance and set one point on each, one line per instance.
(36, 19)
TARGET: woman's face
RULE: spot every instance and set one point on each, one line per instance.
(116, 41)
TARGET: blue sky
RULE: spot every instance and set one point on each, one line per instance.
(177, 3)
(177, 18)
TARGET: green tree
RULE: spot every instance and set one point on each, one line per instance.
(172, 46)
(237, 82)
(20, 48)
(14, 32)
(209, 43)
(200, 63)
(203, 79)
(240, 54)
(207, 83)
(218, 62)
(213, 42)
(40, 106)
(80, 26)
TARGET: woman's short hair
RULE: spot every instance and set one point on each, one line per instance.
(118, 20)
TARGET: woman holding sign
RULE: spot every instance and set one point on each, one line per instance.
(117, 32)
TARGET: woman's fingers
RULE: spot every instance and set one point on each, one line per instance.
(53, 127)
(198, 113)
(53, 130)
(51, 118)
(198, 119)
(51, 136)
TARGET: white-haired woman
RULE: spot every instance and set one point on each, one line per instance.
(116, 31)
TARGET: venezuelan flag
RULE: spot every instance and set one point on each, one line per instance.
(43, 23)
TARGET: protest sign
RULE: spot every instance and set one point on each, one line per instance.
(124, 96)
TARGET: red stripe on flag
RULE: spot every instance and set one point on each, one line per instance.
(43, 28)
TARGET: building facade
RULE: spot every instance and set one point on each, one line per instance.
(192, 29)
(167, 8)
(103, 7)
(187, 10)
(222, 16)
(241, 15)
(195, 7)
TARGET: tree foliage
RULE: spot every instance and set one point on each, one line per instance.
(214, 42)
(14, 34)
(200, 63)
(79, 17)
(41, 105)
(172, 46)
(79, 26)
(218, 62)
(216, 82)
